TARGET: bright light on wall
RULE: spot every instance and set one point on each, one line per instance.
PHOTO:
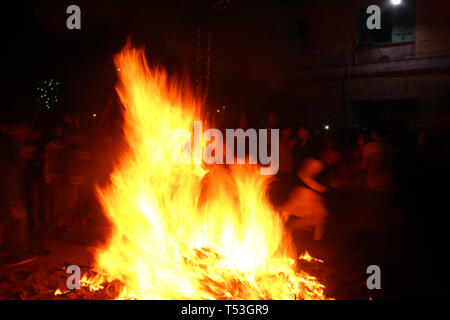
(396, 2)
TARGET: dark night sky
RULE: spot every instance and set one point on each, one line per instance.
(249, 55)
(39, 46)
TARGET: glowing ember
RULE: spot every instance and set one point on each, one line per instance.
(58, 292)
(307, 257)
(187, 231)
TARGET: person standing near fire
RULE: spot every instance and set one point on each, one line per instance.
(306, 208)
(376, 163)
(15, 242)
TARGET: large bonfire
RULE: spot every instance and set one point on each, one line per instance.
(184, 231)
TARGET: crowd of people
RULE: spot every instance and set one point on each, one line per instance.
(315, 163)
(49, 170)
(49, 174)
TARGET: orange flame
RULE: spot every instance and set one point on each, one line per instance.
(181, 231)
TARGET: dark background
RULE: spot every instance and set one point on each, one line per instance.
(302, 59)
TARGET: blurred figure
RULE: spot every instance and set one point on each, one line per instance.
(30, 144)
(303, 135)
(53, 168)
(304, 147)
(306, 206)
(60, 160)
(14, 227)
(287, 143)
(285, 179)
(376, 161)
(361, 141)
(423, 154)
